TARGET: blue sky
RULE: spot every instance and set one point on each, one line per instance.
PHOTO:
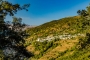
(42, 11)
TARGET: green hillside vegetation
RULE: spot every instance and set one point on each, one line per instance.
(63, 39)
(75, 48)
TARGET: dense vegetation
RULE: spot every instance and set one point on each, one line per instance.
(76, 48)
(47, 41)
(11, 33)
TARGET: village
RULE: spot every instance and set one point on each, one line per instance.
(61, 37)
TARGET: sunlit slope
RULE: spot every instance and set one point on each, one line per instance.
(59, 39)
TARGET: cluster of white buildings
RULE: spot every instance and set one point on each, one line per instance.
(61, 37)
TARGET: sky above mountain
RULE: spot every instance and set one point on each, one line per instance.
(42, 11)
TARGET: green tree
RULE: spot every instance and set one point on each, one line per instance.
(11, 38)
(88, 9)
(82, 13)
(11, 9)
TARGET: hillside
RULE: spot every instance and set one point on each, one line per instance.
(63, 39)
(69, 25)
(57, 38)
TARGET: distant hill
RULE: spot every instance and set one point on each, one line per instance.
(28, 27)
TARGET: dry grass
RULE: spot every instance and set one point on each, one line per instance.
(65, 45)
(30, 48)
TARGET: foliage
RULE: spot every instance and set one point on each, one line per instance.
(82, 48)
(43, 47)
(70, 25)
(11, 41)
(82, 13)
(11, 9)
(11, 34)
(84, 42)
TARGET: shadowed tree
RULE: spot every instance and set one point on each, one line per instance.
(11, 34)
(82, 13)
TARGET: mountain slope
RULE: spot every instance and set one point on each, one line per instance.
(60, 39)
